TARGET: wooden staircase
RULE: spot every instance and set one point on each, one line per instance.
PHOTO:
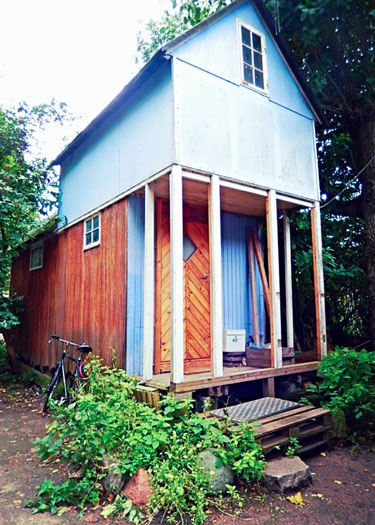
(311, 426)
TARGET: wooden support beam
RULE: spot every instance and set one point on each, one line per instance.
(158, 296)
(318, 282)
(288, 281)
(268, 386)
(149, 284)
(177, 275)
(262, 271)
(216, 300)
(274, 279)
(253, 287)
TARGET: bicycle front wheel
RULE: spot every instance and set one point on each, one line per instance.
(56, 378)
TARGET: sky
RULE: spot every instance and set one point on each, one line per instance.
(81, 52)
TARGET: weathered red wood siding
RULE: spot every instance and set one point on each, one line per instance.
(80, 295)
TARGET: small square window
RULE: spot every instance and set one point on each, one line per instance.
(253, 57)
(36, 257)
(91, 232)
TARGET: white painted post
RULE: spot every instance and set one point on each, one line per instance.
(318, 281)
(274, 279)
(288, 282)
(216, 300)
(149, 284)
(177, 275)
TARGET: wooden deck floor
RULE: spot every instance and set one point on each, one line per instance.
(231, 376)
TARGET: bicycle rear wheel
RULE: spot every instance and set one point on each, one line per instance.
(56, 378)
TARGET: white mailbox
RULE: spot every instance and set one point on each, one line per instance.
(234, 340)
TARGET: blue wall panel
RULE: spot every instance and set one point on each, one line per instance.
(134, 322)
(235, 272)
(135, 143)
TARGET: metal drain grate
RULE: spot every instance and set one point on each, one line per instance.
(253, 410)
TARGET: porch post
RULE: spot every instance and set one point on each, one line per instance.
(149, 284)
(215, 277)
(274, 280)
(288, 281)
(318, 281)
(177, 275)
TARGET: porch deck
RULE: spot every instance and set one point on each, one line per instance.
(231, 376)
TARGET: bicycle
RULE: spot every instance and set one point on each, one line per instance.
(61, 375)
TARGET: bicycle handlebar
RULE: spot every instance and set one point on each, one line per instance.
(83, 347)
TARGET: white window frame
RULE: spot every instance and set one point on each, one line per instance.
(93, 244)
(240, 24)
(33, 249)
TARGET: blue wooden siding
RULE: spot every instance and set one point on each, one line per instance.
(216, 50)
(235, 271)
(135, 143)
(134, 322)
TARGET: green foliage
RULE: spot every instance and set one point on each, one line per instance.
(183, 16)
(123, 508)
(293, 447)
(105, 428)
(27, 191)
(348, 384)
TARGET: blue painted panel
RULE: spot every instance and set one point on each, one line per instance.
(234, 132)
(135, 143)
(216, 50)
(134, 320)
(235, 270)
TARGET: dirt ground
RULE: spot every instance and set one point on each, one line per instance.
(343, 489)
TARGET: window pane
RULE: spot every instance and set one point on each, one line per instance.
(96, 222)
(189, 248)
(95, 236)
(259, 79)
(248, 74)
(257, 43)
(88, 239)
(245, 36)
(246, 52)
(258, 62)
(89, 225)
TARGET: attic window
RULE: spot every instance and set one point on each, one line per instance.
(253, 58)
(91, 236)
(36, 257)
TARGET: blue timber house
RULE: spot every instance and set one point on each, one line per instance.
(208, 148)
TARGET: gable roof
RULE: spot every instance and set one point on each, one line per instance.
(163, 54)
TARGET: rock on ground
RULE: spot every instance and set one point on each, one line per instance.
(219, 477)
(282, 474)
(138, 488)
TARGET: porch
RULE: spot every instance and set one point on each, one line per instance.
(215, 195)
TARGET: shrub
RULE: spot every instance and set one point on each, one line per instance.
(348, 384)
(106, 428)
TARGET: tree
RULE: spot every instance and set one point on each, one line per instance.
(334, 43)
(184, 15)
(27, 194)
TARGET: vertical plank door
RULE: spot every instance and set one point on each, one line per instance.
(197, 355)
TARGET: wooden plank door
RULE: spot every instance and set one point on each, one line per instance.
(197, 356)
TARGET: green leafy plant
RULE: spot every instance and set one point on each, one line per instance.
(293, 447)
(106, 431)
(348, 384)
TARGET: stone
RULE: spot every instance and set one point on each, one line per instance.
(219, 477)
(138, 489)
(113, 482)
(282, 474)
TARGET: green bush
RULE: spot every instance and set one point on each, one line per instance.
(348, 384)
(106, 428)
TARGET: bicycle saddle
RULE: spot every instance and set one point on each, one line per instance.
(84, 348)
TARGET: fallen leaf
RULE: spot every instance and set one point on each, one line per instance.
(338, 482)
(296, 499)
(320, 496)
(372, 484)
(319, 464)
(323, 454)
